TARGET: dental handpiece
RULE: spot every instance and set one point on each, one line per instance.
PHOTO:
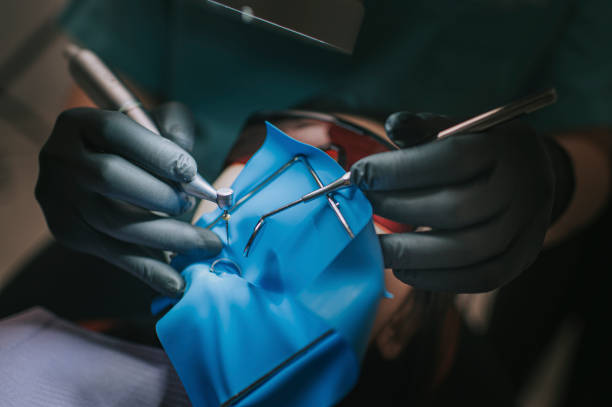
(107, 92)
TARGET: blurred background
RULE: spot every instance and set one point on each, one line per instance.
(34, 86)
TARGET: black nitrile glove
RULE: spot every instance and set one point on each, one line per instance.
(487, 197)
(101, 175)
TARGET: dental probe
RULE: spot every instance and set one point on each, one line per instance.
(478, 123)
(107, 91)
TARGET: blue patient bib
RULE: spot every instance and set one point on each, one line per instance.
(289, 324)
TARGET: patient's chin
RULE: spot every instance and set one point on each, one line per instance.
(388, 306)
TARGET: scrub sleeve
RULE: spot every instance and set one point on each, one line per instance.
(417, 55)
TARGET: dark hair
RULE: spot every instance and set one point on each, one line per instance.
(412, 376)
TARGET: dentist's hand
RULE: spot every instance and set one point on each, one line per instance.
(101, 175)
(487, 197)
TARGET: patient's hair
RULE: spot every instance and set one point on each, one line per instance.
(429, 333)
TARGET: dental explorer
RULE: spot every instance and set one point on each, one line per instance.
(478, 123)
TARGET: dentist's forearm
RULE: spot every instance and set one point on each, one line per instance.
(589, 152)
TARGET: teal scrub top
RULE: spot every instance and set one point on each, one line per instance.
(457, 58)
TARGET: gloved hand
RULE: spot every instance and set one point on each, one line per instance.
(101, 174)
(487, 197)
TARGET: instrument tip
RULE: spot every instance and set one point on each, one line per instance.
(225, 198)
(226, 217)
(256, 230)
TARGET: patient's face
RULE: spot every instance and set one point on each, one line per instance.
(316, 133)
